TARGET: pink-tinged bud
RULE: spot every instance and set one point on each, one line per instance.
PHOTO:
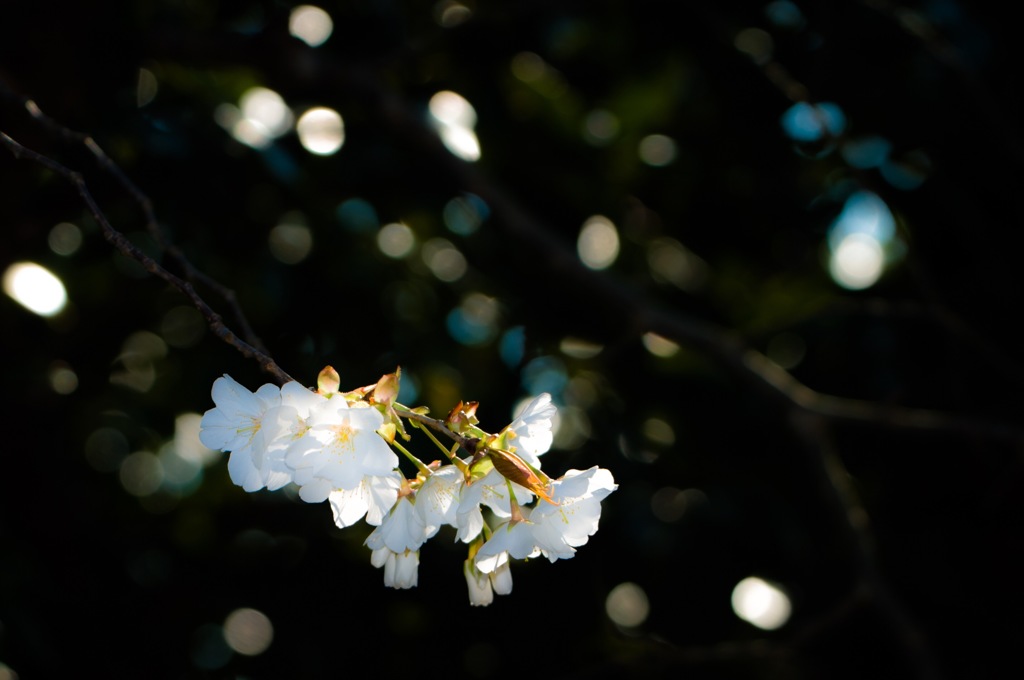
(328, 381)
(386, 389)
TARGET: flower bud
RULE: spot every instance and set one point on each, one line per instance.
(328, 381)
(386, 390)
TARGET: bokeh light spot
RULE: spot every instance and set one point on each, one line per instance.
(474, 321)
(454, 119)
(598, 243)
(63, 380)
(290, 242)
(141, 473)
(659, 431)
(859, 239)
(451, 108)
(146, 87)
(260, 117)
(444, 260)
(578, 348)
(321, 131)
(659, 346)
(571, 427)
(512, 346)
(248, 631)
(863, 212)
(395, 240)
(600, 127)
(35, 288)
(657, 150)
(627, 605)
(358, 215)
(528, 67)
(310, 24)
(755, 43)
(760, 603)
(461, 141)
(449, 14)
(463, 215)
(784, 13)
(545, 374)
(138, 355)
(866, 152)
(266, 107)
(186, 440)
(106, 448)
(907, 172)
(181, 474)
(805, 122)
(64, 239)
(857, 262)
(672, 262)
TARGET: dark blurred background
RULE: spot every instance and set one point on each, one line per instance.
(647, 209)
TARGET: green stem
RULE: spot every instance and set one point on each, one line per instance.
(450, 454)
(420, 465)
(433, 423)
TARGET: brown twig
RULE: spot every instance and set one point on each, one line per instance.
(174, 253)
(123, 245)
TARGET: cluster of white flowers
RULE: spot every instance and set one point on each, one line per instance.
(340, 447)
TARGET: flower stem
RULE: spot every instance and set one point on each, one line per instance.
(420, 465)
(467, 443)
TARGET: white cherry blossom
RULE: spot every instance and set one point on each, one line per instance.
(438, 500)
(401, 570)
(327, 442)
(491, 490)
(533, 429)
(483, 587)
(235, 424)
(284, 425)
(402, 529)
(554, 529)
(373, 498)
(340, 448)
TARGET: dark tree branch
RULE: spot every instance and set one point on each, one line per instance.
(121, 243)
(170, 250)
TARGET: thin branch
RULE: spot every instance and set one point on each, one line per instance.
(995, 117)
(174, 253)
(838, 498)
(467, 443)
(627, 309)
(128, 249)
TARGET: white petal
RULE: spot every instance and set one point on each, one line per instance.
(242, 470)
(437, 500)
(407, 569)
(470, 523)
(480, 592)
(349, 506)
(383, 491)
(533, 428)
(316, 491)
(516, 540)
(303, 399)
(379, 557)
(501, 579)
(401, 530)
